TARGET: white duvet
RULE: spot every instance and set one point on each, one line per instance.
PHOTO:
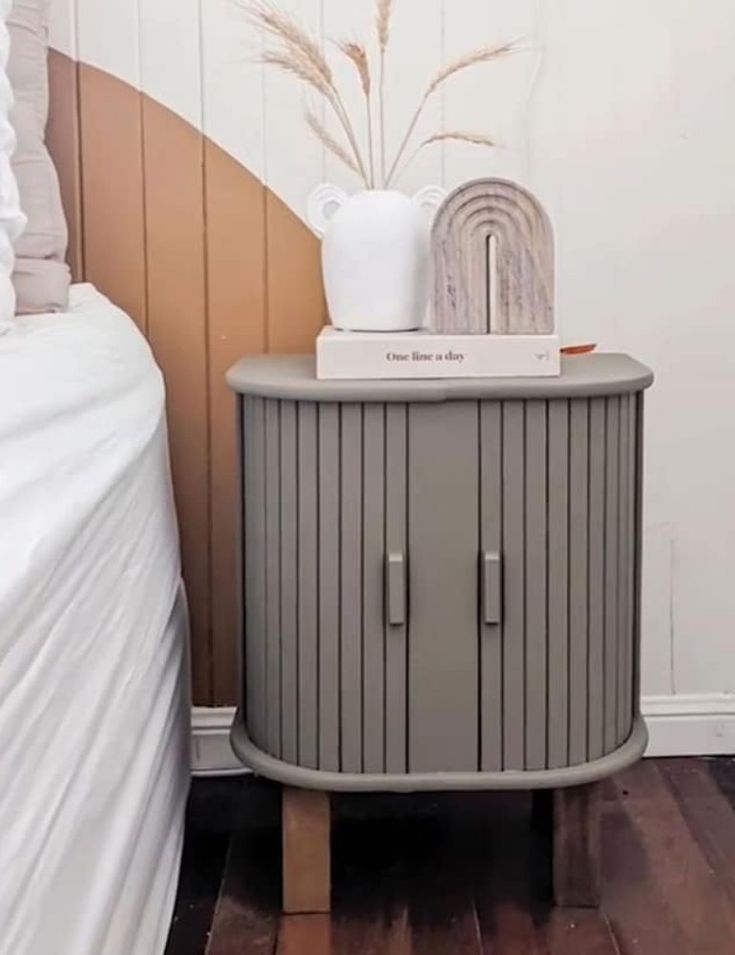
(94, 736)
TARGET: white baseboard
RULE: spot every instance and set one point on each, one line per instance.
(211, 753)
(683, 725)
(690, 724)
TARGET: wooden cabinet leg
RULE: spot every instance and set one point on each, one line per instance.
(577, 846)
(306, 851)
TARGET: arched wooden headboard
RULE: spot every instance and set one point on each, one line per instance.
(211, 265)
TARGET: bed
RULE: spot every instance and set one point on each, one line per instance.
(94, 701)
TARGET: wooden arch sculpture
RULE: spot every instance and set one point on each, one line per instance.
(493, 251)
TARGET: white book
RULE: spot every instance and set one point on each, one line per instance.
(423, 354)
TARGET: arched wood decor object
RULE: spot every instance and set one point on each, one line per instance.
(493, 251)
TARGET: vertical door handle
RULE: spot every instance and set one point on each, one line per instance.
(490, 576)
(396, 587)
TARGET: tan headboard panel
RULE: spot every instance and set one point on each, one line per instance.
(211, 265)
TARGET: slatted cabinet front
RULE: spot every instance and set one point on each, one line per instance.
(440, 586)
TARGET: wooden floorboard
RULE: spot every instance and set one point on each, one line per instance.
(579, 932)
(440, 860)
(513, 877)
(695, 902)
(632, 898)
(723, 772)
(708, 812)
(246, 916)
(208, 830)
(370, 910)
(468, 874)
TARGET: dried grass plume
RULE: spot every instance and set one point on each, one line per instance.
(382, 22)
(298, 67)
(292, 49)
(358, 54)
(284, 28)
(329, 142)
(477, 139)
(483, 55)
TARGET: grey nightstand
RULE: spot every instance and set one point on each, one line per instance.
(441, 591)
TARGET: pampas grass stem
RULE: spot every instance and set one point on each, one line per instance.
(342, 114)
(329, 142)
(358, 55)
(385, 9)
(301, 56)
(477, 139)
(483, 55)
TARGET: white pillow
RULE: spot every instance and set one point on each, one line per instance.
(12, 220)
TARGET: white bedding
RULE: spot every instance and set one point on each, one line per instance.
(94, 734)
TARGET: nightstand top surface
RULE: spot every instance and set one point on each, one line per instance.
(293, 377)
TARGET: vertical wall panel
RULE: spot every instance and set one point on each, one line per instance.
(236, 301)
(108, 37)
(420, 34)
(491, 635)
(177, 332)
(110, 109)
(234, 206)
(494, 97)
(177, 313)
(293, 159)
(558, 584)
(308, 602)
(350, 582)
(373, 561)
(596, 585)
(396, 673)
(62, 28)
(289, 582)
(293, 165)
(272, 454)
(233, 83)
(112, 211)
(329, 569)
(578, 578)
(171, 56)
(296, 309)
(535, 551)
(514, 624)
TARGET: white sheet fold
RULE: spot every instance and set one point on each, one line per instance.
(94, 725)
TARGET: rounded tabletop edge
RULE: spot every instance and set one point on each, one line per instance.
(293, 377)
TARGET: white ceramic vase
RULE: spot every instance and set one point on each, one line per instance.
(375, 256)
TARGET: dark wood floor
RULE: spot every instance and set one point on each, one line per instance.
(468, 874)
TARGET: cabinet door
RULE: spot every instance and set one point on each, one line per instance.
(557, 556)
(443, 492)
(523, 553)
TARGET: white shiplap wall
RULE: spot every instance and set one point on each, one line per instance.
(620, 117)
